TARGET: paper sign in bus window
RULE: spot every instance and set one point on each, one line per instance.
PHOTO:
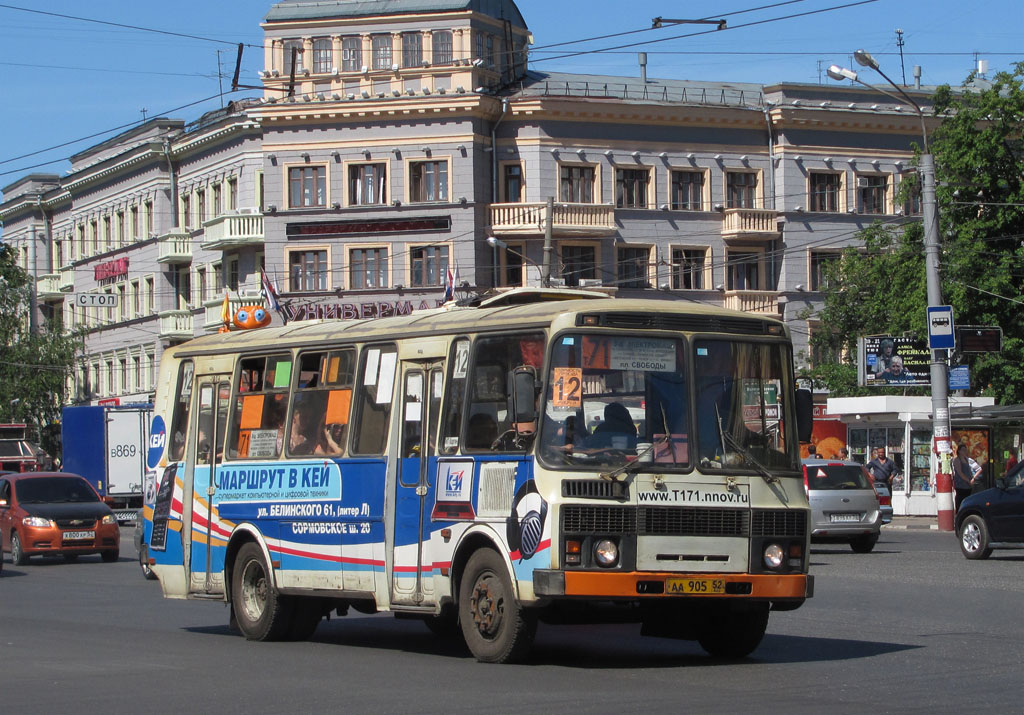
(595, 353)
(568, 387)
(640, 354)
(252, 412)
(282, 374)
(338, 403)
(263, 443)
(387, 377)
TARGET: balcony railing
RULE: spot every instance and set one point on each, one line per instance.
(67, 279)
(212, 320)
(48, 287)
(750, 223)
(753, 301)
(566, 219)
(174, 247)
(231, 231)
(176, 325)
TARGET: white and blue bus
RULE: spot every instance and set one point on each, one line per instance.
(541, 453)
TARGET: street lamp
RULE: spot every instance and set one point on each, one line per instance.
(939, 384)
(495, 242)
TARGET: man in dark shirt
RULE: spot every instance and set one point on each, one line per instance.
(882, 468)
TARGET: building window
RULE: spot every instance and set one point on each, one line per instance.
(182, 279)
(442, 47)
(133, 214)
(631, 188)
(307, 186)
(688, 268)
(429, 265)
(824, 192)
(149, 295)
(687, 190)
(871, 194)
(513, 182)
(819, 277)
(108, 238)
(366, 184)
(428, 181)
(412, 49)
(578, 184)
(490, 51)
(186, 211)
(578, 263)
(368, 268)
(121, 242)
(381, 45)
(740, 189)
(633, 267)
(232, 194)
(323, 56)
(513, 264)
(218, 200)
(231, 273)
(289, 46)
(743, 270)
(201, 207)
(912, 197)
(148, 206)
(308, 270)
(351, 53)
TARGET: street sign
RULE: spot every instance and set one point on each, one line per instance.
(96, 300)
(941, 335)
(960, 378)
(979, 339)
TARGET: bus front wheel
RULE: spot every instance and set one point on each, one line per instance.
(262, 614)
(733, 632)
(496, 628)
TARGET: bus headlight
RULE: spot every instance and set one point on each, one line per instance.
(606, 552)
(773, 556)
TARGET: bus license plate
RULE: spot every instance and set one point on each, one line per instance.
(78, 535)
(694, 585)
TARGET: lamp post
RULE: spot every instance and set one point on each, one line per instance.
(939, 380)
(495, 242)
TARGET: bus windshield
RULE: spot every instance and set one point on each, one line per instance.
(612, 400)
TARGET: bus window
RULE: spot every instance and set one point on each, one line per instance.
(320, 410)
(490, 400)
(179, 421)
(375, 391)
(257, 428)
(458, 367)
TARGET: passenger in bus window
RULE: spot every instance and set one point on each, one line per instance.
(333, 441)
(617, 431)
(300, 437)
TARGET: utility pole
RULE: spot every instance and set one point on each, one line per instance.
(220, 80)
(549, 210)
(899, 43)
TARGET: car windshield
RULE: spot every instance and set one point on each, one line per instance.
(46, 490)
(613, 401)
(836, 476)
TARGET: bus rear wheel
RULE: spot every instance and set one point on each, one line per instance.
(731, 632)
(262, 614)
(496, 628)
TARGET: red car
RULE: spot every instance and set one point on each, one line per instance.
(55, 514)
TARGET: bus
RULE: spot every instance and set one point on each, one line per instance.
(544, 455)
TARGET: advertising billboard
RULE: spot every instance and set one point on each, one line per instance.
(885, 360)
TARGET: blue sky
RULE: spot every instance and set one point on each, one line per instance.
(68, 79)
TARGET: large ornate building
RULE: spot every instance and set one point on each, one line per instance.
(393, 139)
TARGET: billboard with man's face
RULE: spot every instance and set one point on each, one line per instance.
(896, 362)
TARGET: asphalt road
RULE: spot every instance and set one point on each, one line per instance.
(912, 627)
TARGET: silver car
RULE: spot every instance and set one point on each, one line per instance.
(844, 504)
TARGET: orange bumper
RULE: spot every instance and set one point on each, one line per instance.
(593, 584)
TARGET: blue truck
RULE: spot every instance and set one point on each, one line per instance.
(107, 444)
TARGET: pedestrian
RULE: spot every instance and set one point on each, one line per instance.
(963, 479)
(844, 454)
(881, 467)
(1011, 462)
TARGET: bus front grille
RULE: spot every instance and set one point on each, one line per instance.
(779, 522)
(692, 521)
(682, 521)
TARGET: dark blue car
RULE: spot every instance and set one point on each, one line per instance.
(994, 518)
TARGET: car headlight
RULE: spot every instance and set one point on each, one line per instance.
(773, 556)
(606, 552)
(37, 521)
(109, 519)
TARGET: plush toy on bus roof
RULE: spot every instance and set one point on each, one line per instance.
(251, 316)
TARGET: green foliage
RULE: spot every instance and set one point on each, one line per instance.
(979, 156)
(34, 369)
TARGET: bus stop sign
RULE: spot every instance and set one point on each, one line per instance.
(941, 335)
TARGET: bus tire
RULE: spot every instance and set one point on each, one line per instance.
(733, 632)
(495, 627)
(261, 612)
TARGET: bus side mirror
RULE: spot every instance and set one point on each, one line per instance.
(804, 415)
(524, 394)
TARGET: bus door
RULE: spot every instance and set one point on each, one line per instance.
(422, 382)
(208, 538)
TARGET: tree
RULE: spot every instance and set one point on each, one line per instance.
(34, 369)
(978, 154)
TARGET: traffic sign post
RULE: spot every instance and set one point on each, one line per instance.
(941, 333)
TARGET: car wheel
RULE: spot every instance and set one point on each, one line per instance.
(18, 555)
(262, 614)
(496, 628)
(147, 570)
(731, 632)
(864, 544)
(111, 556)
(974, 541)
